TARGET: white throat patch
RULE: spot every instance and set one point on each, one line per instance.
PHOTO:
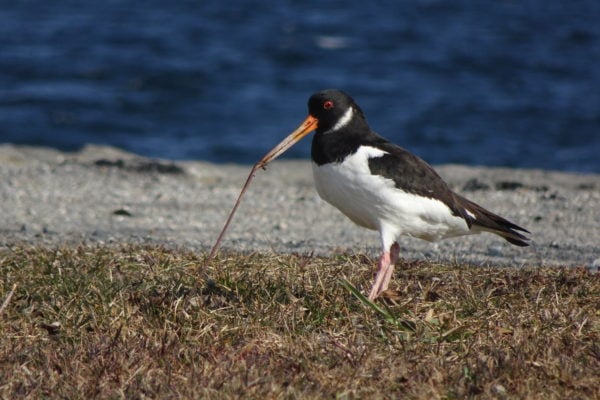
(342, 122)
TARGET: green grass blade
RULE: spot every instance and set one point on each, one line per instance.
(385, 311)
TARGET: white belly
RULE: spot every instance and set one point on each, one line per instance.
(373, 201)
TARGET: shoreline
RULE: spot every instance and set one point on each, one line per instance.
(103, 195)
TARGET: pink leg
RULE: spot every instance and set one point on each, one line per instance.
(386, 269)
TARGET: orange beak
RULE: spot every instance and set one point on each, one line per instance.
(309, 125)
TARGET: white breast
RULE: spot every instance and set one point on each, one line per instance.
(374, 202)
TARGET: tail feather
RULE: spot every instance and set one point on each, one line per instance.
(479, 217)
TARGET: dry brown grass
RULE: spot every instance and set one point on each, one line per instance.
(137, 322)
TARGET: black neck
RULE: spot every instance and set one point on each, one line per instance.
(333, 147)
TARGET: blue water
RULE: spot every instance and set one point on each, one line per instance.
(510, 83)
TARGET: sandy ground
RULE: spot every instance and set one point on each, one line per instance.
(102, 195)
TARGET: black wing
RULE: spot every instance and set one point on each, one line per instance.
(413, 175)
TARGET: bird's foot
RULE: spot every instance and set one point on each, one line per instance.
(383, 277)
(385, 271)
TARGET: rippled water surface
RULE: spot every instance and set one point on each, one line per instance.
(501, 83)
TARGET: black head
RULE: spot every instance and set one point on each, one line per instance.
(331, 112)
(331, 107)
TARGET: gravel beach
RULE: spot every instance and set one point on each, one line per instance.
(102, 195)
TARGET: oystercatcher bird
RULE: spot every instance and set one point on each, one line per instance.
(383, 187)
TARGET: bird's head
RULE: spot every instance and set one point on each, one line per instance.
(333, 109)
(328, 111)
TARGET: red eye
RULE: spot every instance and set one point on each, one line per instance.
(328, 105)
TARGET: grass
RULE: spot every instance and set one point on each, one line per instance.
(148, 322)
